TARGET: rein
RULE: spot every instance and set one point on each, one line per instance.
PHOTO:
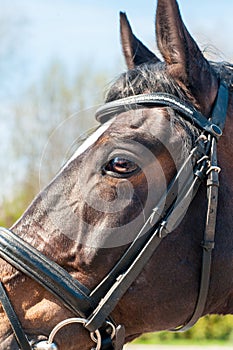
(93, 308)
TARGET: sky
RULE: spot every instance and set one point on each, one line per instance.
(35, 33)
(75, 31)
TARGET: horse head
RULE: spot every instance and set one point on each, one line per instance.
(139, 178)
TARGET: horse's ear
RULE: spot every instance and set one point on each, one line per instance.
(185, 61)
(134, 51)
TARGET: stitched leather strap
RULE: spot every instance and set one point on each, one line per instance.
(111, 109)
(29, 260)
(51, 276)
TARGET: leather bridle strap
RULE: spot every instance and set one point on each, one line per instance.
(144, 245)
(208, 239)
(111, 109)
(73, 294)
(218, 117)
(15, 323)
(219, 112)
(50, 275)
(169, 201)
(213, 129)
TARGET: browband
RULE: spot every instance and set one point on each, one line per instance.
(213, 126)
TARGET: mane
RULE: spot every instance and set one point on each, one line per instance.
(152, 77)
(149, 78)
(145, 78)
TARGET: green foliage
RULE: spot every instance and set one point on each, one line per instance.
(11, 209)
(210, 329)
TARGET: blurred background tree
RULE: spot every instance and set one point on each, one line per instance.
(214, 329)
(47, 130)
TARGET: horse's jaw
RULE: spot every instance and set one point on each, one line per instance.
(7, 338)
(9, 343)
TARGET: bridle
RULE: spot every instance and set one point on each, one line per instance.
(93, 308)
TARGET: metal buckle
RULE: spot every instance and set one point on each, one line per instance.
(113, 332)
(50, 345)
(213, 168)
(216, 130)
(202, 159)
(162, 230)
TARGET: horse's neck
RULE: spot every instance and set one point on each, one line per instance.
(225, 202)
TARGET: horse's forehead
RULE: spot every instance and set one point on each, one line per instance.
(143, 123)
(141, 117)
(130, 129)
(89, 142)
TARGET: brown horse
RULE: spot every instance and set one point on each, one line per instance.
(89, 215)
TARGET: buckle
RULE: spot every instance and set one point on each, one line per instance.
(162, 230)
(208, 245)
(213, 168)
(216, 130)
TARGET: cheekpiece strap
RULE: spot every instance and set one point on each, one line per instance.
(220, 107)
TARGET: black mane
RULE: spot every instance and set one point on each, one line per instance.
(153, 77)
(145, 78)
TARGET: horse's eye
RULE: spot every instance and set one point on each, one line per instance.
(120, 167)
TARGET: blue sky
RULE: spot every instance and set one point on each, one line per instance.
(75, 31)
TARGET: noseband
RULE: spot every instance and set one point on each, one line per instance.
(93, 308)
